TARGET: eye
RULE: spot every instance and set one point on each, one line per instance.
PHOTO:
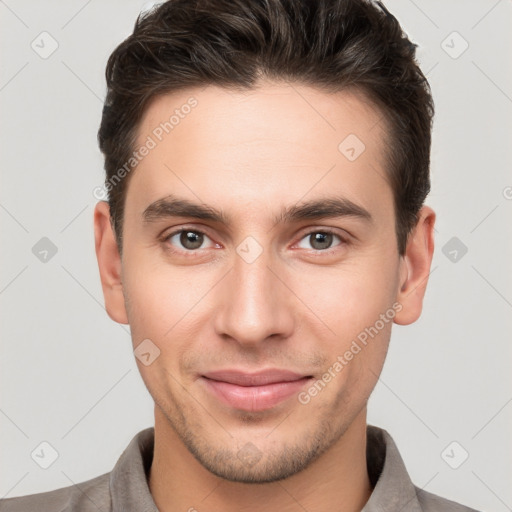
(189, 239)
(320, 240)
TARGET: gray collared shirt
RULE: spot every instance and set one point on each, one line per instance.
(126, 489)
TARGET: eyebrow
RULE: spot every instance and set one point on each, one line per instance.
(322, 208)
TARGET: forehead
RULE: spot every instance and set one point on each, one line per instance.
(277, 142)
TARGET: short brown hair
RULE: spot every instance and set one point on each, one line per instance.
(328, 44)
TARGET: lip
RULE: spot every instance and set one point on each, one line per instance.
(254, 391)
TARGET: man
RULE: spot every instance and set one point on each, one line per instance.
(267, 164)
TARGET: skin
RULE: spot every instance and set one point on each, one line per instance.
(295, 306)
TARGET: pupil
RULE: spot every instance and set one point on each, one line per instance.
(321, 240)
(191, 240)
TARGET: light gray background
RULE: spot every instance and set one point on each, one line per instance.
(68, 374)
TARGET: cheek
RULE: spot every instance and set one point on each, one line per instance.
(169, 308)
(348, 299)
(157, 297)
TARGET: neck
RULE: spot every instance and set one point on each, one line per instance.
(338, 480)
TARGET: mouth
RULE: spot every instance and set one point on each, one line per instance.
(254, 391)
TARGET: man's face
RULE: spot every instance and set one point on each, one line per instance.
(258, 290)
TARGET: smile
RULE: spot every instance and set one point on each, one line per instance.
(254, 391)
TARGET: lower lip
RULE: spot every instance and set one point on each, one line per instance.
(254, 398)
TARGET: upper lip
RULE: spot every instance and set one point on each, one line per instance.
(259, 378)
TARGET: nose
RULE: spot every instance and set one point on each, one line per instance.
(254, 303)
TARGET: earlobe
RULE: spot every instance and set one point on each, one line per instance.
(415, 267)
(109, 263)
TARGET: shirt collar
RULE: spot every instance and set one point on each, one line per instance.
(129, 486)
(393, 488)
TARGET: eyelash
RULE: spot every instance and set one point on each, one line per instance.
(196, 252)
(325, 231)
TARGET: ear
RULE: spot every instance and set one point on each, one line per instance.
(415, 268)
(109, 262)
